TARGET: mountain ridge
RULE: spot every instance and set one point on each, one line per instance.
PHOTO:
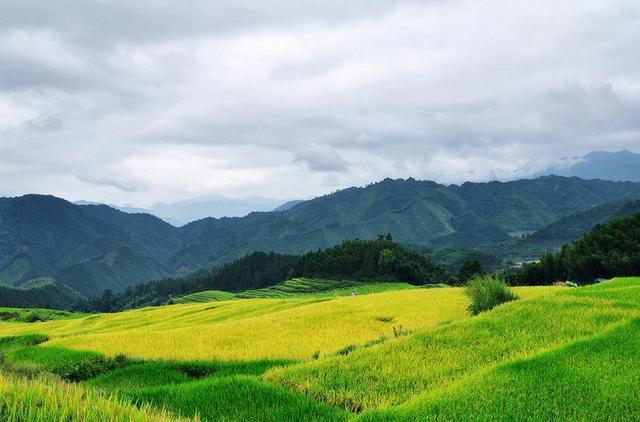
(95, 247)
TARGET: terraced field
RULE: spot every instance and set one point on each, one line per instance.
(299, 288)
(413, 354)
(303, 287)
(206, 296)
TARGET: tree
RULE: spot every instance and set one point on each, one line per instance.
(469, 269)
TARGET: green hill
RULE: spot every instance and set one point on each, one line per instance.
(38, 293)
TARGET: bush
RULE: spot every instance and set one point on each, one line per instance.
(346, 350)
(36, 317)
(487, 292)
(90, 368)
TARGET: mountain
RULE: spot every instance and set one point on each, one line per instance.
(287, 205)
(216, 206)
(48, 236)
(420, 213)
(90, 248)
(182, 212)
(123, 208)
(620, 166)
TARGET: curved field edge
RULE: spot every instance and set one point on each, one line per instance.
(595, 378)
(201, 390)
(437, 358)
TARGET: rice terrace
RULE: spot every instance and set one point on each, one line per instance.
(411, 353)
(340, 211)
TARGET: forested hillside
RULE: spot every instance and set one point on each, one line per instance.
(90, 248)
(372, 260)
(609, 250)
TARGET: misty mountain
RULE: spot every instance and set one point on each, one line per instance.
(93, 247)
(287, 205)
(216, 206)
(620, 166)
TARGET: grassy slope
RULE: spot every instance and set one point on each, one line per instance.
(463, 356)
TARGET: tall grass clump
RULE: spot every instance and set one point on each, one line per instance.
(486, 292)
(24, 399)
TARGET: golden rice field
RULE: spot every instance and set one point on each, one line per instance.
(257, 328)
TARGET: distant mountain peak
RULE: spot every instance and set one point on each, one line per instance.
(622, 166)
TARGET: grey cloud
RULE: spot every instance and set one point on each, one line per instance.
(321, 158)
(110, 181)
(223, 92)
(97, 22)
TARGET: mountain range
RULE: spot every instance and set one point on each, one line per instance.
(616, 166)
(182, 212)
(620, 166)
(90, 248)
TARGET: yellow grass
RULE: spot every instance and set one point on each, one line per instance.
(257, 328)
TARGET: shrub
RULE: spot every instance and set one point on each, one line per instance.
(399, 331)
(7, 316)
(487, 292)
(346, 350)
(384, 318)
(89, 368)
(35, 317)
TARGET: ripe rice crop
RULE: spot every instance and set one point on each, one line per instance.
(253, 328)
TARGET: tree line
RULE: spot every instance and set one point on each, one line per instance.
(381, 259)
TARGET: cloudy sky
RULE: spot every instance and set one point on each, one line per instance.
(144, 101)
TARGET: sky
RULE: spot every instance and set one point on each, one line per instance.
(137, 102)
